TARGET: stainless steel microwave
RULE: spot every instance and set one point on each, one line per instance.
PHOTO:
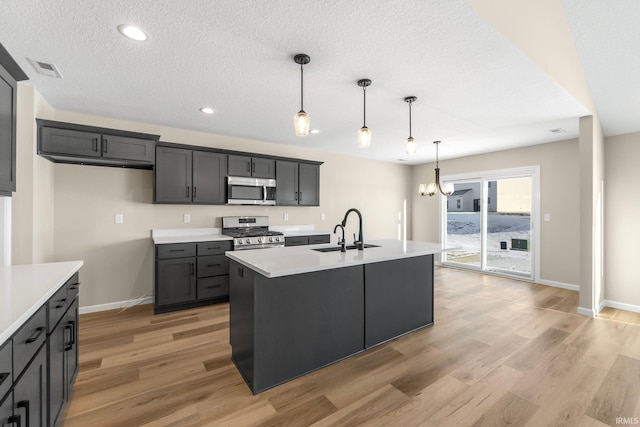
(250, 191)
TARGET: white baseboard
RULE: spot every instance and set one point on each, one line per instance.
(587, 312)
(559, 285)
(621, 306)
(115, 305)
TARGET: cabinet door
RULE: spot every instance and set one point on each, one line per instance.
(71, 142)
(176, 281)
(239, 166)
(57, 368)
(126, 148)
(6, 410)
(263, 168)
(296, 241)
(71, 348)
(309, 185)
(30, 393)
(8, 105)
(209, 173)
(6, 368)
(286, 183)
(173, 175)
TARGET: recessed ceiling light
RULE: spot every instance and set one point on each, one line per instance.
(207, 110)
(557, 130)
(315, 131)
(132, 32)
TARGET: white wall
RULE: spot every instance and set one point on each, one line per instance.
(622, 220)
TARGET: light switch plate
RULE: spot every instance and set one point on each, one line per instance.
(119, 218)
(285, 216)
(186, 218)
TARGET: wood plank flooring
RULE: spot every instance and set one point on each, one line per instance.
(501, 352)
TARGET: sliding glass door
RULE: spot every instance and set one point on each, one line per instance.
(489, 217)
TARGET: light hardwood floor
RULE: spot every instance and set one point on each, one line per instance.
(501, 352)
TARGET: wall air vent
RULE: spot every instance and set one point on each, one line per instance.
(45, 68)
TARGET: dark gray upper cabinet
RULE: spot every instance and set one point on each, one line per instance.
(209, 172)
(79, 144)
(257, 167)
(309, 185)
(189, 176)
(173, 180)
(297, 184)
(10, 73)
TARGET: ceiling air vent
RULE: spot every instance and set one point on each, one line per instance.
(45, 68)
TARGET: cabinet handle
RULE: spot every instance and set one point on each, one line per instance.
(59, 305)
(68, 345)
(3, 376)
(253, 167)
(34, 337)
(214, 247)
(213, 265)
(213, 286)
(176, 250)
(187, 191)
(95, 144)
(299, 196)
(14, 419)
(194, 191)
(25, 404)
(193, 267)
(295, 195)
(248, 166)
(73, 331)
(105, 144)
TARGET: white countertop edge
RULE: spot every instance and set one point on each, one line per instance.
(195, 235)
(309, 269)
(11, 329)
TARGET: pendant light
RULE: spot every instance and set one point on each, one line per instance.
(410, 145)
(431, 189)
(364, 134)
(301, 120)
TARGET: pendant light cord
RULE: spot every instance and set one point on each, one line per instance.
(410, 104)
(301, 88)
(364, 118)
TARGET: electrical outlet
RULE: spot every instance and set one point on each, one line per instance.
(285, 216)
(322, 216)
(119, 218)
(186, 218)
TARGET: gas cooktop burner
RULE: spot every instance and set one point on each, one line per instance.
(251, 232)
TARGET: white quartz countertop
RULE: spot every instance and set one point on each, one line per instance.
(277, 262)
(188, 235)
(25, 288)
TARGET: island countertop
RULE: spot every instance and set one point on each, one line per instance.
(278, 262)
(24, 288)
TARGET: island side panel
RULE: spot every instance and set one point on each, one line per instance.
(306, 321)
(398, 298)
(241, 319)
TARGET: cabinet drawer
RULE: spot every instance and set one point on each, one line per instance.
(321, 238)
(214, 248)
(6, 368)
(73, 288)
(57, 306)
(213, 265)
(28, 340)
(296, 241)
(213, 287)
(177, 250)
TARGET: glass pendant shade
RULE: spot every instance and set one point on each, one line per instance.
(301, 122)
(447, 189)
(364, 137)
(422, 189)
(431, 189)
(410, 146)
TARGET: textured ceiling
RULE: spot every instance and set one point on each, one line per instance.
(476, 91)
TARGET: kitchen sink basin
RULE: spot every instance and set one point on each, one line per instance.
(337, 248)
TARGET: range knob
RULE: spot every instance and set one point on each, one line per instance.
(248, 241)
(277, 239)
(259, 239)
(271, 239)
(238, 241)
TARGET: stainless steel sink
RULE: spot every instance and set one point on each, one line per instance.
(337, 248)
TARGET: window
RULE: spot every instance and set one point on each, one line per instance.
(458, 203)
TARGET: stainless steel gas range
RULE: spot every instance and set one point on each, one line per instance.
(251, 232)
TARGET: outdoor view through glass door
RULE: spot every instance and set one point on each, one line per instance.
(490, 219)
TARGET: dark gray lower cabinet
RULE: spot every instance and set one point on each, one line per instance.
(30, 392)
(190, 275)
(396, 298)
(6, 409)
(284, 327)
(314, 239)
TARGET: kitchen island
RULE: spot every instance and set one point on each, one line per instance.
(294, 310)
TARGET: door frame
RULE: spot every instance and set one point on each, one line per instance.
(492, 175)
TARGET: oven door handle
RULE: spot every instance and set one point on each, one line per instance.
(264, 193)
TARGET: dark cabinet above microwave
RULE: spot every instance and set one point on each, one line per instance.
(71, 143)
